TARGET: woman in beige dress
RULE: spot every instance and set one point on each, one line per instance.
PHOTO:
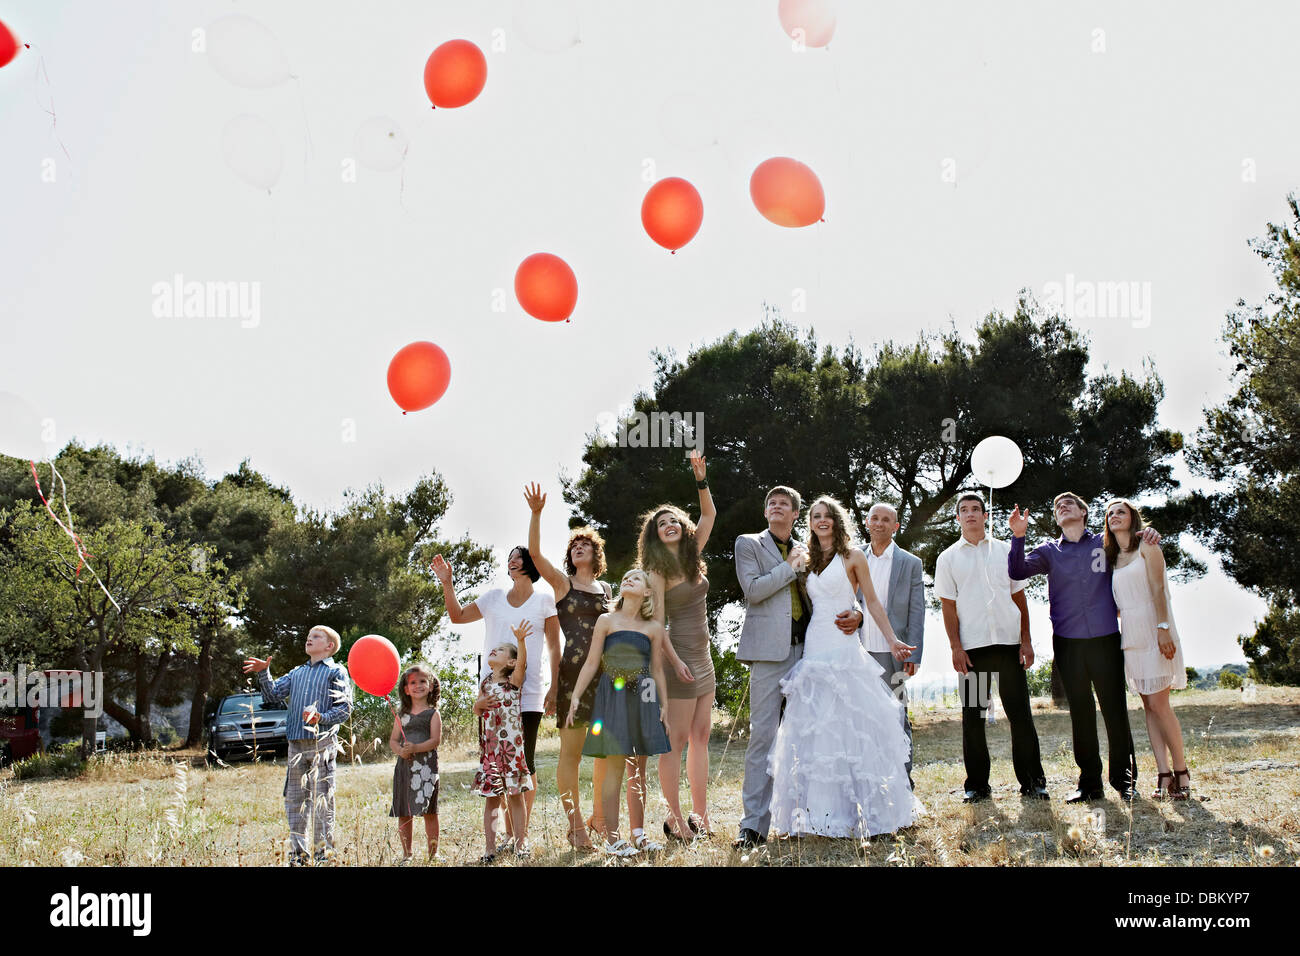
(669, 548)
(1153, 655)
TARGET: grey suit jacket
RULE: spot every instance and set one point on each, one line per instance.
(905, 606)
(765, 578)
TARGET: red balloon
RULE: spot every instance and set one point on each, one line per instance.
(546, 287)
(418, 376)
(672, 212)
(373, 664)
(455, 73)
(787, 192)
(8, 46)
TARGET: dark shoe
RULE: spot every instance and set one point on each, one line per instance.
(671, 835)
(1127, 794)
(1035, 793)
(298, 859)
(1083, 796)
(975, 796)
(1181, 788)
(1162, 789)
(748, 839)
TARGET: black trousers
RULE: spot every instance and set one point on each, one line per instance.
(1013, 689)
(1088, 664)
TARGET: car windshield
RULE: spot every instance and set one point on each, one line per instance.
(244, 706)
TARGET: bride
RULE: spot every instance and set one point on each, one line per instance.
(839, 760)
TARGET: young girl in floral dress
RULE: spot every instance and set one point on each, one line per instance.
(414, 739)
(503, 769)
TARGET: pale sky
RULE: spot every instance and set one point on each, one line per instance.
(1092, 143)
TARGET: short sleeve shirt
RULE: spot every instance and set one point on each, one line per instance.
(500, 616)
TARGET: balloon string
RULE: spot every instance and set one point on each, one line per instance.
(396, 719)
(82, 553)
(38, 75)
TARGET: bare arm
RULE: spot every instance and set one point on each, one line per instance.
(858, 566)
(708, 511)
(589, 666)
(661, 613)
(521, 662)
(1155, 562)
(435, 733)
(455, 613)
(395, 739)
(961, 663)
(659, 641)
(558, 581)
(553, 653)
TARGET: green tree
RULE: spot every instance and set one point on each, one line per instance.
(1251, 444)
(897, 426)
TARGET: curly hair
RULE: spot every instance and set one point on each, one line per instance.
(647, 608)
(841, 540)
(435, 688)
(653, 555)
(597, 548)
(1136, 524)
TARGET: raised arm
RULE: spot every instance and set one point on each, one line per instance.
(756, 585)
(521, 663)
(1019, 564)
(558, 581)
(708, 511)
(455, 613)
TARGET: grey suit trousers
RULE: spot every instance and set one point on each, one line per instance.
(765, 701)
(896, 687)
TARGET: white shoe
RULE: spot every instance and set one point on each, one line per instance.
(645, 844)
(622, 849)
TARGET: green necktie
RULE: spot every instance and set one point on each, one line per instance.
(796, 605)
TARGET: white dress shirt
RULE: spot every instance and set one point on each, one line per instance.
(975, 576)
(880, 567)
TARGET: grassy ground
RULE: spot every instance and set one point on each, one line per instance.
(1245, 810)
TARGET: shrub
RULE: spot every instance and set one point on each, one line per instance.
(61, 761)
(1230, 680)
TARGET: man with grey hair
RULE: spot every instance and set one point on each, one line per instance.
(897, 578)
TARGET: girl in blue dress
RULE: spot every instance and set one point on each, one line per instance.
(627, 646)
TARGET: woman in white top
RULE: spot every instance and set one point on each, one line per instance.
(503, 609)
(1153, 656)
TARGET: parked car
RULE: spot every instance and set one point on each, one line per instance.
(245, 725)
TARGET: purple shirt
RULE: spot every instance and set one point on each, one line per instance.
(1079, 597)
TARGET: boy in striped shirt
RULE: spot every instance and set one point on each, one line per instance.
(319, 697)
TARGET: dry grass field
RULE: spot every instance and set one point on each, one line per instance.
(168, 809)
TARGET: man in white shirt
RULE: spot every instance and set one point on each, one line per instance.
(898, 580)
(987, 620)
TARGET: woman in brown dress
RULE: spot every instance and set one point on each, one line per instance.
(669, 548)
(580, 599)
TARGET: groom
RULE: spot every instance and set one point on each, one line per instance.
(777, 611)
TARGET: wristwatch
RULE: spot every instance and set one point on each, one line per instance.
(1163, 626)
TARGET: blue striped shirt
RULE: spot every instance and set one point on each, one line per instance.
(323, 684)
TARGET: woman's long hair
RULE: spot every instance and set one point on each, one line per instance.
(841, 540)
(1136, 524)
(647, 608)
(653, 555)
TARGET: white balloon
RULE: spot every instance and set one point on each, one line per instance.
(380, 144)
(996, 461)
(20, 430)
(548, 26)
(816, 18)
(251, 147)
(246, 53)
(687, 122)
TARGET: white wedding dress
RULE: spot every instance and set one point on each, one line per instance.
(838, 765)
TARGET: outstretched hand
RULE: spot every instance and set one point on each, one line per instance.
(533, 495)
(253, 664)
(1018, 521)
(441, 568)
(524, 629)
(698, 462)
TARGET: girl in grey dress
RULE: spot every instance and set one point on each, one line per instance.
(414, 739)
